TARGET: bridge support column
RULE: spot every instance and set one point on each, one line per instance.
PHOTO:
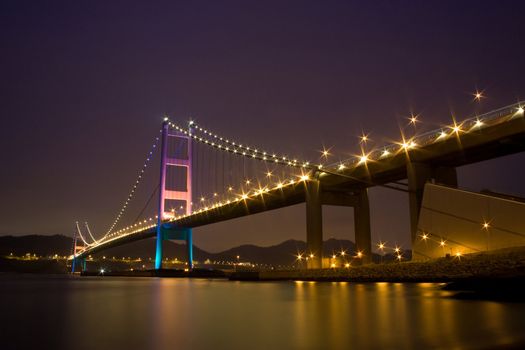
(158, 250)
(78, 264)
(363, 236)
(189, 247)
(314, 224)
(418, 175)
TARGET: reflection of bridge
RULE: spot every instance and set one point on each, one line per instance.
(430, 156)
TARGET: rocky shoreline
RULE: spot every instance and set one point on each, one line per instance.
(501, 264)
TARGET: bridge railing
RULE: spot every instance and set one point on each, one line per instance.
(480, 121)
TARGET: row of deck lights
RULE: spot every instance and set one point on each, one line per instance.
(411, 143)
(141, 225)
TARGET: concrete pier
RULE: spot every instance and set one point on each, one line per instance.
(363, 236)
(314, 224)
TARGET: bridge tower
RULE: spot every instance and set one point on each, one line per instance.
(75, 250)
(175, 188)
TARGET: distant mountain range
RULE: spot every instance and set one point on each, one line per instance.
(280, 254)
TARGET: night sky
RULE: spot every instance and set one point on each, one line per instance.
(84, 85)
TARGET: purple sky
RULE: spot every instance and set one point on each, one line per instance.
(84, 85)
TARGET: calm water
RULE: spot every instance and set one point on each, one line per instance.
(146, 313)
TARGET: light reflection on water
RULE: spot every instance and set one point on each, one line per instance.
(147, 313)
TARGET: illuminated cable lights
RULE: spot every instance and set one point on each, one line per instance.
(246, 151)
(132, 192)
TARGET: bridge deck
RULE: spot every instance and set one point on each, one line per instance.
(499, 137)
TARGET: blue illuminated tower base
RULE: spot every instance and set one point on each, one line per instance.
(169, 231)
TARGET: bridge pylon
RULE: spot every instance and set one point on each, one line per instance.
(77, 263)
(175, 191)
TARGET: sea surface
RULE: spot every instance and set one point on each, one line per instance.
(72, 312)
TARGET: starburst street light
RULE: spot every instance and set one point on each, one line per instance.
(363, 159)
(413, 119)
(478, 124)
(478, 95)
(325, 152)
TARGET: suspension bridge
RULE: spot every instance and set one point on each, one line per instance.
(206, 178)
